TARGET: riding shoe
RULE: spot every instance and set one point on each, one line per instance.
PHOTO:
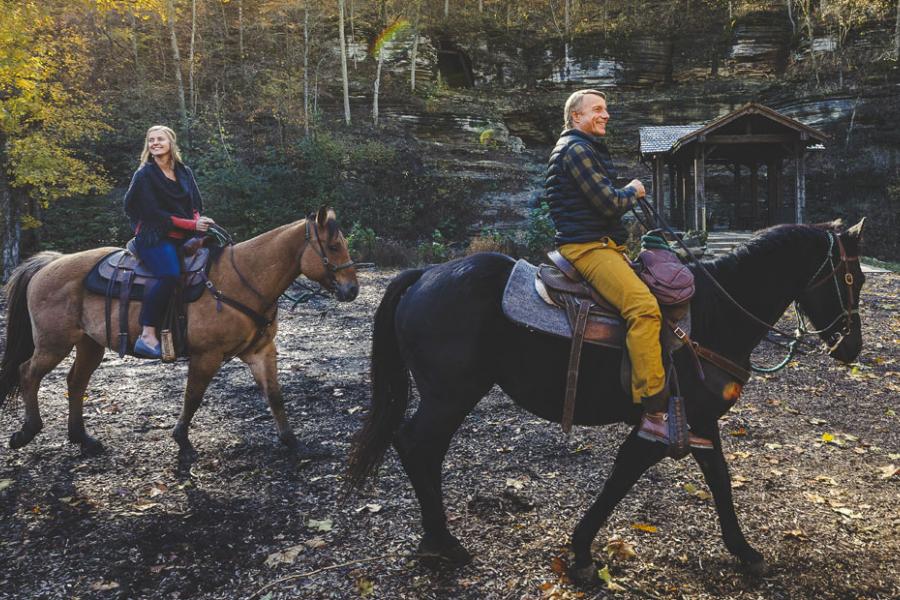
(654, 427)
(145, 350)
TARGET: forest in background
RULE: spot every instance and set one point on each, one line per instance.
(277, 102)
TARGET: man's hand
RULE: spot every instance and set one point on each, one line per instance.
(203, 223)
(640, 192)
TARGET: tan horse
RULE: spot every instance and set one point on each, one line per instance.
(50, 312)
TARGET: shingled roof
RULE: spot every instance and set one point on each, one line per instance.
(661, 138)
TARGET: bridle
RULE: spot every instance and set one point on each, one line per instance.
(319, 249)
(842, 266)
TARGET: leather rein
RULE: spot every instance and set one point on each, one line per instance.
(260, 319)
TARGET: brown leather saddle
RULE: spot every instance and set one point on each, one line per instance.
(589, 318)
(121, 275)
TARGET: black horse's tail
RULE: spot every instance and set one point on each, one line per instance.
(390, 386)
(19, 341)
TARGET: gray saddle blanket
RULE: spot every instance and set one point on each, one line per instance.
(523, 305)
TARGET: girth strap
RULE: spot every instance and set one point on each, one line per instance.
(261, 321)
(124, 291)
(580, 310)
(740, 374)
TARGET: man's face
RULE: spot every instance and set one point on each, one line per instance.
(591, 117)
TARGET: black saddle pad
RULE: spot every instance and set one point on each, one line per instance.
(97, 280)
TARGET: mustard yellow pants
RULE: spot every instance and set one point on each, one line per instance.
(605, 265)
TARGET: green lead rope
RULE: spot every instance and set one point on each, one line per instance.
(652, 241)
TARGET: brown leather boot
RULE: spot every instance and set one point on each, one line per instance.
(654, 424)
(655, 427)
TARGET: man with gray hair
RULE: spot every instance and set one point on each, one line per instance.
(587, 210)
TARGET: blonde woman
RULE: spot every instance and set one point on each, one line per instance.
(163, 205)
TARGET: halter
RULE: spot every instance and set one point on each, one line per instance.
(319, 249)
(848, 312)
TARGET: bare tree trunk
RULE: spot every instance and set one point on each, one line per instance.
(415, 48)
(352, 31)
(345, 77)
(897, 34)
(790, 5)
(176, 56)
(306, 68)
(241, 36)
(193, 91)
(12, 227)
(566, 17)
(446, 8)
(480, 6)
(138, 68)
(377, 85)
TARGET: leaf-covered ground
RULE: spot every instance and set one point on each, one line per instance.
(813, 452)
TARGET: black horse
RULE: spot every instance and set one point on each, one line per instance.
(444, 324)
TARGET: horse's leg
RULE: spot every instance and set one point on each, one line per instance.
(200, 372)
(264, 369)
(635, 456)
(88, 355)
(422, 444)
(715, 471)
(31, 372)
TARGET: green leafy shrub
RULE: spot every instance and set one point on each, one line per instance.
(435, 251)
(361, 241)
(540, 232)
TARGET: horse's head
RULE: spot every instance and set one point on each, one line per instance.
(831, 298)
(326, 257)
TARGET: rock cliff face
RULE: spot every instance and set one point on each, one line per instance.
(514, 86)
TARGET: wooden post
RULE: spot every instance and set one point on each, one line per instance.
(800, 205)
(683, 172)
(754, 195)
(699, 189)
(672, 195)
(738, 216)
(659, 192)
(772, 168)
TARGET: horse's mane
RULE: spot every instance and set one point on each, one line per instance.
(778, 253)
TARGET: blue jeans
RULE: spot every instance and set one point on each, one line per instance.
(162, 260)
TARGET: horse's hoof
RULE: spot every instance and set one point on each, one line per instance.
(91, 447)
(289, 440)
(450, 553)
(309, 451)
(20, 438)
(584, 576)
(756, 568)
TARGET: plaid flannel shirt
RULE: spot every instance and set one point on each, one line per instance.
(590, 177)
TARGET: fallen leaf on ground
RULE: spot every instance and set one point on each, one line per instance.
(740, 431)
(814, 498)
(620, 549)
(644, 527)
(610, 584)
(848, 512)
(826, 479)
(691, 489)
(372, 508)
(157, 489)
(364, 586)
(323, 525)
(888, 471)
(315, 542)
(558, 565)
(796, 534)
(285, 557)
(104, 586)
(516, 484)
(738, 481)
(5, 483)
(773, 446)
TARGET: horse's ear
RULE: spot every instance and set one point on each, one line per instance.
(857, 230)
(322, 216)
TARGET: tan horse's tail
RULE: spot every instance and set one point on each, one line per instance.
(19, 341)
(390, 386)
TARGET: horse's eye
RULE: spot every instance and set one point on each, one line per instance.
(334, 247)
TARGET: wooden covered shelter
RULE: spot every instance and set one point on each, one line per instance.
(753, 136)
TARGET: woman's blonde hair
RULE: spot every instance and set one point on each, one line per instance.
(176, 154)
(574, 103)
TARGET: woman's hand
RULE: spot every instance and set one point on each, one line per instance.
(203, 223)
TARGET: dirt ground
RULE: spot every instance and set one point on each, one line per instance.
(810, 449)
